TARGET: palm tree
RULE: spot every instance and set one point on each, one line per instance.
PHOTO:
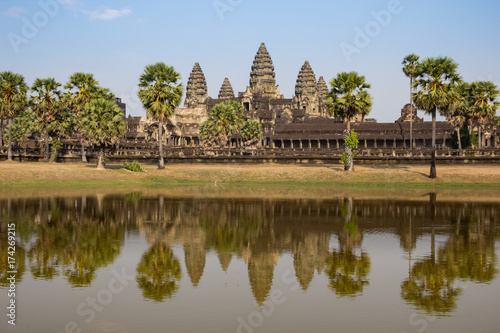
(224, 119)
(13, 100)
(102, 125)
(46, 103)
(409, 68)
(160, 94)
(458, 113)
(434, 79)
(251, 131)
(82, 89)
(483, 104)
(347, 98)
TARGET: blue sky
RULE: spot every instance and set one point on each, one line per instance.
(115, 40)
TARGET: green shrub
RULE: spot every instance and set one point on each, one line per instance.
(467, 139)
(134, 166)
(344, 158)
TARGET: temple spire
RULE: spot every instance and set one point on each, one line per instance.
(306, 81)
(322, 96)
(262, 76)
(196, 89)
(226, 91)
(306, 91)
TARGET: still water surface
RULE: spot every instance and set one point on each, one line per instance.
(137, 262)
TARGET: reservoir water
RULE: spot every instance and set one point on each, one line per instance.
(196, 259)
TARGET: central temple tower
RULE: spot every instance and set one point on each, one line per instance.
(263, 87)
(262, 76)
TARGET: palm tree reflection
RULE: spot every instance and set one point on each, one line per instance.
(158, 273)
(347, 270)
(468, 255)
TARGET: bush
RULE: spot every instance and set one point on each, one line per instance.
(468, 140)
(134, 166)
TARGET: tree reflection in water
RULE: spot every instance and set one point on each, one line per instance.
(71, 242)
(468, 255)
(348, 271)
(22, 232)
(159, 273)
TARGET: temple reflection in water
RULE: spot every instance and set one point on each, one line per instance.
(74, 237)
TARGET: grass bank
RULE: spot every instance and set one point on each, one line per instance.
(15, 175)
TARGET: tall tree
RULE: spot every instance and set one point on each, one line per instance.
(82, 89)
(46, 102)
(102, 125)
(160, 93)
(23, 126)
(224, 119)
(409, 68)
(458, 112)
(347, 98)
(13, 101)
(434, 79)
(483, 104)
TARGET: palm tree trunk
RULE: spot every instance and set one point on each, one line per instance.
(161, 162)
(479, 138)
(433, 173)
(84, 154)
(411, 113)
(53, 155)
(9, 144)
(1, 135)
(459, 141)
(100, 159)
(46, 152)
(347, 149)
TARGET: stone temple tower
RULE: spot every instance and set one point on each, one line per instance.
(196, 89)
(226, 91)
(262, 76)
(322, 96)
(306, 91)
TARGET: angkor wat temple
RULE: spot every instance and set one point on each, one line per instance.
(302, 121)
(295, 130)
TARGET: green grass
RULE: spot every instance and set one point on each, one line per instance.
(164, 181)
(332, 184)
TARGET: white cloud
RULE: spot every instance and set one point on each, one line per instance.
(107, 14)
(13, 12)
